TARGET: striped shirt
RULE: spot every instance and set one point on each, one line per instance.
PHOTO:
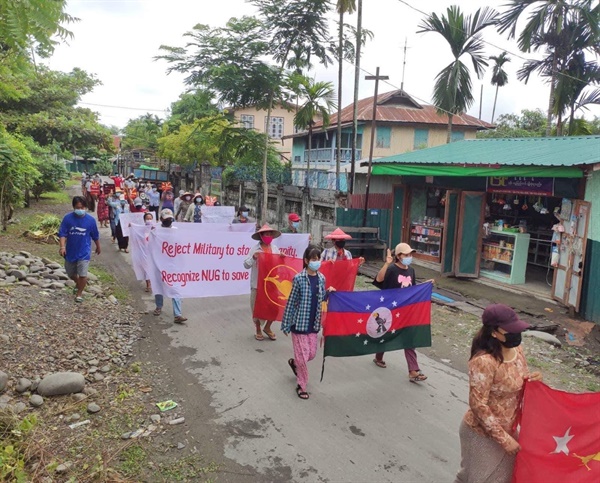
(297, 310)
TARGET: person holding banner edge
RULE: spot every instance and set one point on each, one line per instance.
(397, 273)
(264, 236)
(166, 218)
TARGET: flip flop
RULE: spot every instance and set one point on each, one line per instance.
(381, 364)
(179, 319)
(420, 377)
(292, 364)
(259, 337)
(157, 311)
(301, 394)
(270, 334)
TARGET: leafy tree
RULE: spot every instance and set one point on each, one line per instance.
(142, 132)
(555, 26)
(105, 167)
(529, 123)
(194, 105)
(318, 103)
(499, 76)
(452, 93)
(33, 21)
(17, 173)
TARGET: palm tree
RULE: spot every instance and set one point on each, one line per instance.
(545, 22)
(318, 103)
(356, 85)
(342, 7)
(452, 93)
(499, 76)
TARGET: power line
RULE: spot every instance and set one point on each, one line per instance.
(124, 107)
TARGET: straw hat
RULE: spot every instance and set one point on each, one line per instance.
(338, 234)
(265, 229)
(187, 193)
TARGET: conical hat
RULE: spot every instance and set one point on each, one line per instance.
(338, 234)
(266, 228)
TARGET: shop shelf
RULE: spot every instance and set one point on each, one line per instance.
(426, 242)
(498, 246)
(495, 260)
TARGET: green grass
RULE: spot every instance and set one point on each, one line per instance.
(56, 198)
(107, 279)
(186, 468)
(133, 460)
(72, 182)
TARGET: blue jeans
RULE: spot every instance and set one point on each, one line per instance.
(159, 301)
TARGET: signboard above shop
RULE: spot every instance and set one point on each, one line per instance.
(521, 185)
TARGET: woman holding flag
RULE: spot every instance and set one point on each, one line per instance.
(497, 373)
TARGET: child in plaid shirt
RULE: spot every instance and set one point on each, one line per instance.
(302, 316)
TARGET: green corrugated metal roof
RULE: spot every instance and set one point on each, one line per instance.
(557, 151)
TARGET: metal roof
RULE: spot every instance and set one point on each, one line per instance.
(398, 107)
(551, 151)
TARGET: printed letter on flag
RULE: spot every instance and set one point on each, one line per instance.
(559, 438)
(361, 323)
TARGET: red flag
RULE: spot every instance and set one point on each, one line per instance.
(275, 275)
(559, 438)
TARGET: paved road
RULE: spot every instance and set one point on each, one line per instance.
(361, 424)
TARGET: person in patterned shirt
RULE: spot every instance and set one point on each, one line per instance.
(302, 315)
(497, 373)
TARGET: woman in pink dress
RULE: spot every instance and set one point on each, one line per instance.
(103, 217)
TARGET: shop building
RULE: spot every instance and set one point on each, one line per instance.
(518, 212)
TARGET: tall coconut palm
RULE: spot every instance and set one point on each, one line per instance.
(452, 93)
(545, 20)
(356, 85)
(342, 7)
(499, 75)
(318, 102)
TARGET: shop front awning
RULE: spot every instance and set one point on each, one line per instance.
(397, 169)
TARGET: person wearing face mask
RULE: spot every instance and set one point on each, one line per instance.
(153, 199)
(338, 250)
(137, 206)
(149, 223)
(194, 212)
(76, 232)
(243, 216)
(398, 273)
(497, 373)
(302, 316)
(264, 236)
(184, 204)
(166, 221)
(293, 224)
(177, 202)
(102, 210)
(119, 207)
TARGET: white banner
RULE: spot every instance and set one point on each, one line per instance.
(218, 214)
(292, 244)
(211, 265)
(138, 241)
(201, 227)
(125, 219)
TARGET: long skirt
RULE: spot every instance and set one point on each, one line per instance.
(122, 240)
(483, 460)
(102, 210)
(305, 350)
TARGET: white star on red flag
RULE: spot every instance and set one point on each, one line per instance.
(360, 321)
(561, 443)
(358, 334)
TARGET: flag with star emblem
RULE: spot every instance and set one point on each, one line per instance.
(361, 323)
(559, 437)
(275, 275)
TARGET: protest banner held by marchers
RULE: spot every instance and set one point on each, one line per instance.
(559, 437)
(360, 323)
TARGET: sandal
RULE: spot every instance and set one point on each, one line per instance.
(259, 337)
(420, 377)
(179, 319)
(381, 364)
(292, 364)
(157, 311)
(78, 299)
(301, 394)
(147, 289)
(270, 334)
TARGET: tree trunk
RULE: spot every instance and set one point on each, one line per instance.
(572, 119)
(263, 211)
(551, 98)
(356, 85)
(449, 138)
(494, 109)
(559, 125)
(338, 157)
(308, 157)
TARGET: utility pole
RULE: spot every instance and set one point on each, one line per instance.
(481, 102)
(403, 66)
(376, 78)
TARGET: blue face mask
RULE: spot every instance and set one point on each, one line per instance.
(314, 265)
(406, 261)
(79, 212)
(295, 224)
(244, 214)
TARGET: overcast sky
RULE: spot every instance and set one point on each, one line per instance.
(117, 39)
